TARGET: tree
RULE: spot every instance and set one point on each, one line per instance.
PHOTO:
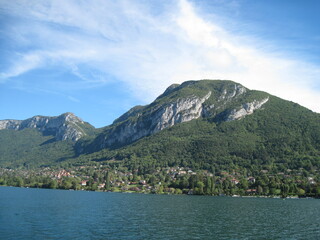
(184, 183)
(66, 183)
(107, 177)
(208, 187)
(159, 189)
(244, 184)
(199, 188)
(18, 181)
(53, 184)
(213, 183)
(301, 192)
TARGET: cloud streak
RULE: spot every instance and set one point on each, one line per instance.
(128, 41)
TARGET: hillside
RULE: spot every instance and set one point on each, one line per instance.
(281, 135)
(211, 100)
(40, 140)
(212, 125)
(208, 124)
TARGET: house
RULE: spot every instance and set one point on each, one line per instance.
(251, 180)
(234, 181)
(311, 180)
(143, 182)
(83, 183)
(224, 173)
(251, 191)
(62, 173)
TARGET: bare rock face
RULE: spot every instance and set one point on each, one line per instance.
(10, 124)
(161, 114)
(238, 90)
(181, 110)
(64, 127)
(246, 109)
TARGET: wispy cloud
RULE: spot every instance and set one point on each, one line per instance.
(73, 99)
(25, 63)
(147, 50)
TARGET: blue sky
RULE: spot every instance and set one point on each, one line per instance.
(98, 59)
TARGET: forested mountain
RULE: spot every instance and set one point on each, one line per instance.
(40, 140)
(208, 124)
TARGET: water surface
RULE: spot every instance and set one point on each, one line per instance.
(58, 214)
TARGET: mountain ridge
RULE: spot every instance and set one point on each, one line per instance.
(66, 126)
(179, 103)
(201, 124)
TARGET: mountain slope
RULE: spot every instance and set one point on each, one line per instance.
(207, 124)
(30, 148)
(67, 126)
(40, 140)
(222, 100)
(233, 127)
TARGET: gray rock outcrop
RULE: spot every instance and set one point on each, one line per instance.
(64, 127)
(181, 110)
(238, 90)
(246, 109)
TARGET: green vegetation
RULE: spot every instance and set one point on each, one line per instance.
(278, 145)
(29, 148)
(281, 136)
(171, 180)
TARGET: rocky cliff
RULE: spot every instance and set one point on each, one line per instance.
(156, 119)
(216, 101)
(245, 109)
(64, 127)
(180, 103)
(199, 124)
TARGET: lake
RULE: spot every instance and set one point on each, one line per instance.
(58, 214)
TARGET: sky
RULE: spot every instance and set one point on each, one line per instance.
(100, 58)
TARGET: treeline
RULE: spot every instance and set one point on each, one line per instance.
(263, 186)
(66, 183)
(172, 181)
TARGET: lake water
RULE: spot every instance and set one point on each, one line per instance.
(57, 214)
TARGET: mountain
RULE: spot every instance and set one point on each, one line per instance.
(222, 100)
(211, 124)
(207, 124)
(40, 140)
(67, 126)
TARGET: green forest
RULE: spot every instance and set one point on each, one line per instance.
(278, 145)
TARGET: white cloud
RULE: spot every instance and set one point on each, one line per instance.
(147, 51)
(26, 62)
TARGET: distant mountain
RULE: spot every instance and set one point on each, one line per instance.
(40, 140)
(67, 126)
(207, 124)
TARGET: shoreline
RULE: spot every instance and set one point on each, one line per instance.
(151, 193)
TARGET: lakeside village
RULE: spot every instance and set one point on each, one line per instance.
(169, 180)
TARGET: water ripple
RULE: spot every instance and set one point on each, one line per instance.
(57, 214)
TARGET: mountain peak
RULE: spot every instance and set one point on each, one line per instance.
(66, 126)
(215, 99)
(197, 123)
(71, 117)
